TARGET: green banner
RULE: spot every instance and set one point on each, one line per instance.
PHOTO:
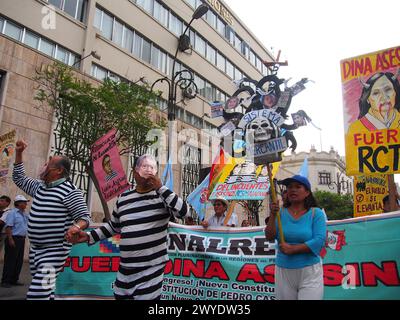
(360, 259)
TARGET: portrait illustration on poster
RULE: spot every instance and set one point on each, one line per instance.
(7, 147)
(108, 169)
(371, 98)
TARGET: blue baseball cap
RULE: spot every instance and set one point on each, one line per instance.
(297, 178)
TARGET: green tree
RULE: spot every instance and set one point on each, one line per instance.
(337, 207)
(85, 112)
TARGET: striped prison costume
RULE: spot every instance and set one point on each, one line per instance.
(142, 221)
(53, 211)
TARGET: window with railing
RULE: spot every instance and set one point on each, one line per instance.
(144, 49)
(229, 34)
(37, 42)
(324, 178)
(191, 168)
(176, 25)
(101, 73)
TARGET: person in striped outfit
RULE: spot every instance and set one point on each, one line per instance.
(141, 217)
(58, 209)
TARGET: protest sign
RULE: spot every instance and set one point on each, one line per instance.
(360, 260)
(107, 166)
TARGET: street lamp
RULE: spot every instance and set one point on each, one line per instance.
(94, 54)
(340, 184)
(183, 79)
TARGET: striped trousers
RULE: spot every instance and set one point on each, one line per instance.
(45, 265)
(142, 283)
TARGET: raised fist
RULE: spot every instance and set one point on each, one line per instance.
(20, 146)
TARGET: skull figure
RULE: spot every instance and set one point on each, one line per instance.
(263, 129)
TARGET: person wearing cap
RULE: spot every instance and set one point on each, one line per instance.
(298, 267)
(4, 203)
(218, 218)
(16, 228)
(58, 209)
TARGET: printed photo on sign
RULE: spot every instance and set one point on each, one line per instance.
(107, 166)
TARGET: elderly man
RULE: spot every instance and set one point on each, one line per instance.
(58, 208)
(141, 217)
(218, 218)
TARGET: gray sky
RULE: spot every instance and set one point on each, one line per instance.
(314, 35)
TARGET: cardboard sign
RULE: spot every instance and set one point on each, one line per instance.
(370, 85)
(107, 166)
(7, 149)
(369, 192)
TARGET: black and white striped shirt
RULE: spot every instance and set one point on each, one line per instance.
(53, 209)
(142, 221)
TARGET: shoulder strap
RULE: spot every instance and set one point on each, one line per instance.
(313, 212)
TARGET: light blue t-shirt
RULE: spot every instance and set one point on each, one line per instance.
(308, 229)
(18, 221)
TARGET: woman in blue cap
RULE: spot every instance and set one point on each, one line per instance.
(298, 269)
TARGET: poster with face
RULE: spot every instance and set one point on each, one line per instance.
(299, 119)
(7, 148)
(371, 108)
(217, 109)
(108, 167)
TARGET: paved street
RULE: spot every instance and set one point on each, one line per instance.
(16, 292)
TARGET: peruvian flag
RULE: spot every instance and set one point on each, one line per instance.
(334, 240)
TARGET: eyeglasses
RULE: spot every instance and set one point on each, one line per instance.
(218, 204)
(147, 167)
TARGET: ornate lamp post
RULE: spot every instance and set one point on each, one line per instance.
(183, 79)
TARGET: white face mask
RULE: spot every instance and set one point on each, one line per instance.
(147, 168)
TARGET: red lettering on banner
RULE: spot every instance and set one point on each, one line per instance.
(95, 264)
(353, 278)
(101, 264)
(269, 273)
(333, 275)
(355, 68)
(168, 267)
(377, 137)
(388, 274)
(197, 269)
(250, 272)
(393, 135)
(84, 267)
(215, 269)
(177, 267)
(381, 62)
(115, 264)
(186, 267)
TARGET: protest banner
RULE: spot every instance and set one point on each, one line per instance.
(360, 260)
(369, 192)
(107, 166)
(7, 148)
(371, 98)
(243, 181)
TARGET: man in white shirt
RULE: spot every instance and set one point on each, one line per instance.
(4, 203)
(218, 218)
